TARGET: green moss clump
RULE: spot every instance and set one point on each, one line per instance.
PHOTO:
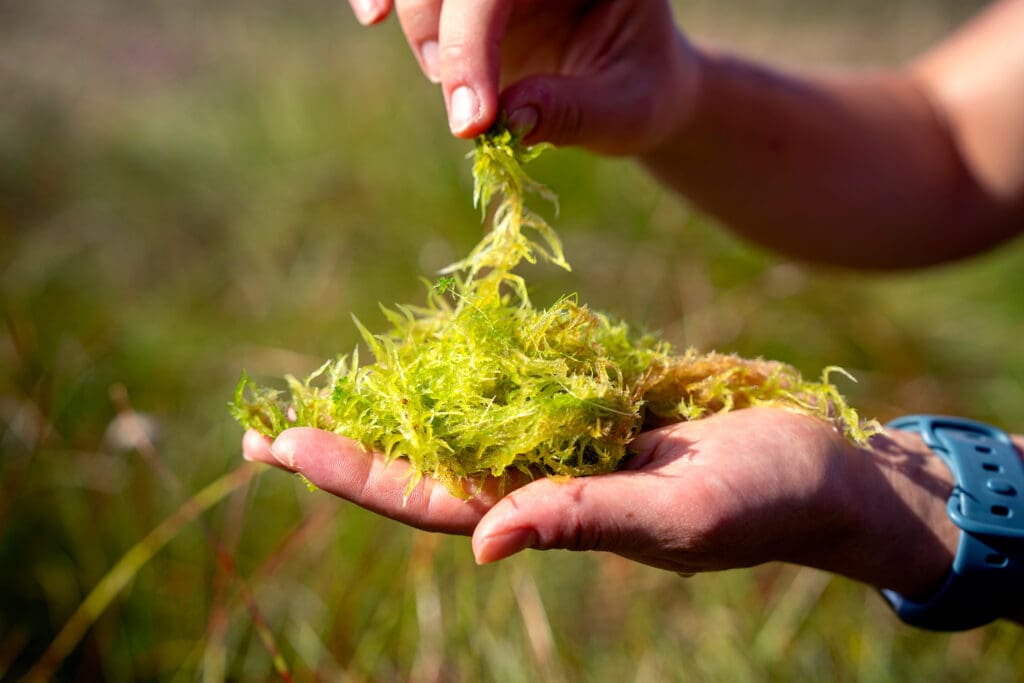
(477, 382)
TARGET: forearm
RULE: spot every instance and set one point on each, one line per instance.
(850, 169)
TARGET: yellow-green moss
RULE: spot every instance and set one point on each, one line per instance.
(478, 382)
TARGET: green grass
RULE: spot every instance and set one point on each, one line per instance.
(190, 191)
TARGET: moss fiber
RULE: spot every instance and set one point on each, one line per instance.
(477, 382)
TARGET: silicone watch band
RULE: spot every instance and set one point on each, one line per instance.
(987, 503)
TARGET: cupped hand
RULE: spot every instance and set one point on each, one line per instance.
(732, 490)
(616, 77)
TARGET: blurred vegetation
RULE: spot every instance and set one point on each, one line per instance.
(189, 189)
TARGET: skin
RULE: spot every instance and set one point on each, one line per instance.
(696, 496)
(734, 490)
(911, 166)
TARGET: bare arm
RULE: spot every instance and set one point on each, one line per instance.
(887, 169)
(894, 168)
(877, 170)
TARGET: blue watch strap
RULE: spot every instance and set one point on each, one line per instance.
(987, 503)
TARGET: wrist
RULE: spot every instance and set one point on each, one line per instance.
(915, 538)
(895, 533)
(984, 581)
(980, 474)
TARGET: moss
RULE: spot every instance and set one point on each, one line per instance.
(477, 382)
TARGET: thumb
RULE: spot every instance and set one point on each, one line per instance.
(608, 113)
(591, 513)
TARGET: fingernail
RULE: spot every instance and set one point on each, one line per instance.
(523, 120)
(465, 107)
(254, 447)
(283, 452)
(365, 11)
(502, 545)
(431, 64)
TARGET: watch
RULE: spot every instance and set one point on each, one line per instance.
(987, 503)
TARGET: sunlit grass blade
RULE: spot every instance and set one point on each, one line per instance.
(125, 569)
(144, 445)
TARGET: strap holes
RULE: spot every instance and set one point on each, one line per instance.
(983, 449)
(1000, 511)
(991, 467)
(996, 560)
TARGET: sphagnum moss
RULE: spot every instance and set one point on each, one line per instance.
(477, 382)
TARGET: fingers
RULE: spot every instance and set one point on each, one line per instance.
(612, 512)
(469, 38)
(565, 111)
(626, 82)
(339, 466)
(420, 21)
(256, 448)
(614, 78)
(457, 43)
(619, 110)
(369, 12)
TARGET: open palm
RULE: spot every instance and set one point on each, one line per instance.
(733, 490)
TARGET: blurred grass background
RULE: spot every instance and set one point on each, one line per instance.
(188, 189)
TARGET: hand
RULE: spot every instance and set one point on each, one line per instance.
(732, 490)
(616, 77)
